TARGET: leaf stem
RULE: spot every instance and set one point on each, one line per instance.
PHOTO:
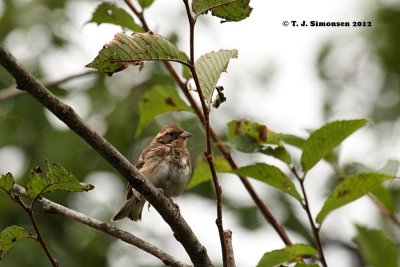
(314, 228)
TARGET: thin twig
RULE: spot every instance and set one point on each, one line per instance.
(208, 152)
(385, 211)
(29, 210)
(166, 208)
(314, 228)
(104, 227)
(224, 150)
(12, 90)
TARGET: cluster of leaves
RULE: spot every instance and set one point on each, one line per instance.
(37, 185)
(250, 137)
(244, 136)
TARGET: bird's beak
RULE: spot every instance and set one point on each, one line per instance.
(185, 135)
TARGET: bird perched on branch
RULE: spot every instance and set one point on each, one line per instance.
(166, 163)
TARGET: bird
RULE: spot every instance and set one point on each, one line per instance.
(166, 163)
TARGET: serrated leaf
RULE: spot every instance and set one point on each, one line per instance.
(7, 182)
(270, 175)
(288, 254)
(9, 236)
(209, 68)
(202, 171)
(108, 12)
(145, 3)
(124, 50)
(159, 100)
(350, 189)
(377, 248)
(230, 10)
(322, 141)
(261, 133)
(57, 178)
(235, 11)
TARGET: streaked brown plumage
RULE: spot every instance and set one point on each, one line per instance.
(166, 163)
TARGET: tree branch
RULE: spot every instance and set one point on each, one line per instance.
(224, 150)
(208, 152)
(167, 209)
(104, 227)
(314, 228)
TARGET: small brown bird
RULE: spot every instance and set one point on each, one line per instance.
(166, 163)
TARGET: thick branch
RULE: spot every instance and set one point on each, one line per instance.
(167, 209)
(53, 207)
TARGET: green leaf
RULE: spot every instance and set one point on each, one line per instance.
(202, 171)
(9, 236)
(261, 133)
(57, 178)
(159, 100)
(124, 50)
(230, 10)
(301, 264)
(382, 194)
(209, 68)
(350, 189)
(278, 152)
(324, 140)
(108, 12)
(7, 182)
(243, 143)
(376, 248)
(247, 144)
(145, 3)
(270, 175)
(288, 254)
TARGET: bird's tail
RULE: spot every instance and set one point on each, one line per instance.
(132, 209)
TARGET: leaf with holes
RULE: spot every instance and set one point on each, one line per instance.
(7, 182)
(124, 50)
(270, 175)
(230, 10)
(324, 140)
(202, 171)
(209, 68)
(350, 189)
(292, 253)
(110, 13)
(57, 178)
(159, 100)
(9, 236)
(261, 133)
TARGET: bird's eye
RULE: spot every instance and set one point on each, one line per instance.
(172, 134)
